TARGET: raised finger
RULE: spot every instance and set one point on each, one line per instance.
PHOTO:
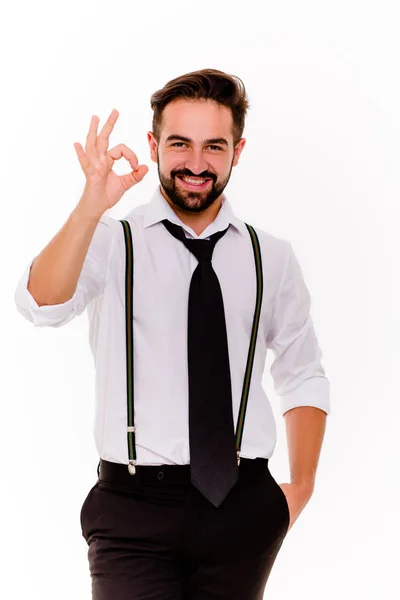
(80, 152)
(103, 138)
(92, 136)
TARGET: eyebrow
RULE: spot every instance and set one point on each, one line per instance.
(222, 141)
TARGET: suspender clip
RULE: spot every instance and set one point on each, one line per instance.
(131, 467)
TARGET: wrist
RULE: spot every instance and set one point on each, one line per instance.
(85, 213)
(305, 485)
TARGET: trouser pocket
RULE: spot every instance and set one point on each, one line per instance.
(278, 500)
(285, 505)
(84, 508)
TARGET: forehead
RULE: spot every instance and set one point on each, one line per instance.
(197, 119)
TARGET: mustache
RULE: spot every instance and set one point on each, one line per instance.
(187, 173)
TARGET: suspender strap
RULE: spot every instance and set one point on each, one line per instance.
(253, 339)
(129, 342)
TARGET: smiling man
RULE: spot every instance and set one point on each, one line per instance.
(194, 171)
(184, 301)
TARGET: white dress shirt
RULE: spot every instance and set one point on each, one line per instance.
(163, 267)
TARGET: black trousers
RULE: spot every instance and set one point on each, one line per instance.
(153, 536)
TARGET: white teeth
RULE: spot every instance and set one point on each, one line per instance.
(193, 181)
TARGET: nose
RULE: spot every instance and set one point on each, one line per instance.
(196, 162)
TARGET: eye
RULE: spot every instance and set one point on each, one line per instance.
(180, 144)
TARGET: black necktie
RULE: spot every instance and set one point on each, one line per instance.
(213, 458)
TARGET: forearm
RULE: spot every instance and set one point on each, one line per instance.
(55, 271)
(305, 428)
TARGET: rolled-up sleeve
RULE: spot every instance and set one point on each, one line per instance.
(91, 282)
(298, 375)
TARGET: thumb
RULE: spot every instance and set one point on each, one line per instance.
(140, 172)
(135, 176)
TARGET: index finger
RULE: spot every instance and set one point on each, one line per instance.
(104, 135)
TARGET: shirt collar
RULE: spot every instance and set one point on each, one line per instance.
(158, 209)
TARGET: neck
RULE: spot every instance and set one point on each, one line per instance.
(196, 221)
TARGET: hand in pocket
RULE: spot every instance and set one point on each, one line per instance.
(297, 497)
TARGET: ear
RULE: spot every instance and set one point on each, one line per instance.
(153, 146)
(238, 150)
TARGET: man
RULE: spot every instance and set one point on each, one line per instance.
(182, 508)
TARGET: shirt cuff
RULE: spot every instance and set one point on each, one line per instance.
(314, 391)
(54, 315)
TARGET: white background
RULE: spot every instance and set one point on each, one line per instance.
(320, 168)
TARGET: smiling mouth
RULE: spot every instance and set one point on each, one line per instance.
(198, 183)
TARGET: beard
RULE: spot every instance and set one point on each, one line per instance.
(187, 200)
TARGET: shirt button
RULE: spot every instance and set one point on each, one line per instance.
(160, 475)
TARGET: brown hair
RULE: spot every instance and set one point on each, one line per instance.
(207, 84)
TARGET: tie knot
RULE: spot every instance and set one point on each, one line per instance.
(202, 249)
